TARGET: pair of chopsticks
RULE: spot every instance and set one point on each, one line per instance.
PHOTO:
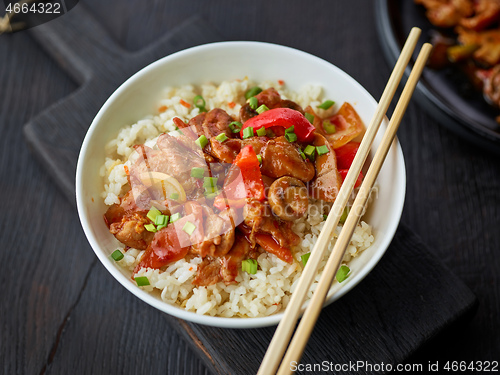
(281, 338)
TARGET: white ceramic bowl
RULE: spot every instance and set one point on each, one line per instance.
(216, 62)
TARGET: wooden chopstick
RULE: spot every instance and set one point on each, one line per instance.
(311, 314)
(283, 333)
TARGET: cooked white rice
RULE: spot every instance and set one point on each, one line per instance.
(262, 294)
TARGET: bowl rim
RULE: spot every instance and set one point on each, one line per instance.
(175, 311)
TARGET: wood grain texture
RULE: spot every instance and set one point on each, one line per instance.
(61, 311)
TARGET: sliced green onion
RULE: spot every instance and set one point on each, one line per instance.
(252, 92)
(210, 181)
(291, 137)
(160, 227)
(259, 158)
(322, 150)
(329, 127)
(189, 227)
(235, 126)
(342, 273)
(343, 218)
(202, 141)
(153, 213)
(262, 109)
(325, 217)
(175, 217)
(211, 190)
(305, 258)
(291, 129)
(253, 102)
(161, 220)
(222, 137)
(249, 266)
(310, 117)
(248, 132)
(197, 172)
(303, 155)
(200, 103)
(174, 196)
(117, 255)
(326, 104)
(261, 132)
(211, 195)
(150, 227)
(310, 151)
(142, 281)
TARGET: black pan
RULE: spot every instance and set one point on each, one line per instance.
(445, 94)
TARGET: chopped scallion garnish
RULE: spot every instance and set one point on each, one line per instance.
(189, 227)
(343, 218)
(197, 172)
(210, 181)
(322, 150)
(175, 217)
(310, 117)
(291, 129)
(262, 109)
(142, 281)
(199, 103)
(342, 273)
(247, 132)
(153, 213)
(329, 127)
(174, 196)
(261, 132)
(202, 141)
(161, 220)
(252, 92)
(326, 104)
(160, 227)
(117, 255)
(211, 190)
(253, 102)
(303, 155)
(235, 126)
(150, 227)
(291, 137)
(325, 217)
(249, 266)
(259, 158)
(310, 152)
(305, 258)
(222, 137)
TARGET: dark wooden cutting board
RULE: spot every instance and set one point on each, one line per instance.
(406, 300)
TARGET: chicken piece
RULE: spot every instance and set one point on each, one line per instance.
(226, 268)
(271, 99)
(131, 232)
(126, 222)
(447, 13)
(282, 158)
(257, 143)
(212, 123)
(327, 183)
(259, 218)
(486, 12)
(491, 85)
(225, 151)
(488, 41)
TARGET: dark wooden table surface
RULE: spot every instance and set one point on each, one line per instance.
(61, 312)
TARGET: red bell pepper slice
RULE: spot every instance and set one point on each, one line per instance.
(346, 154)
(283, 117)
(249, 167)
(343, 173)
